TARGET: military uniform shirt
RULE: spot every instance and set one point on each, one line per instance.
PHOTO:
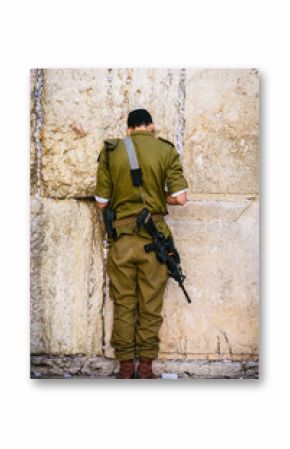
(160, 165)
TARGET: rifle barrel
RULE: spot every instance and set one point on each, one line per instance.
(185, 293)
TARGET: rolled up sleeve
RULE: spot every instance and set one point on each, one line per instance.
(104, 183)
(175, 180)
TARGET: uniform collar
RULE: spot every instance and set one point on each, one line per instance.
(143, 131)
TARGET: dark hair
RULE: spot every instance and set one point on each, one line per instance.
(139, 117)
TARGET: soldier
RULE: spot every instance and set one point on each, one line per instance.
(137, 278)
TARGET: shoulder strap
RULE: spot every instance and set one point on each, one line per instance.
(131, 153)
(136, 172)
(110, 145)
(166, 141)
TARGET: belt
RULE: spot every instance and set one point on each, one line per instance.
(130, 220)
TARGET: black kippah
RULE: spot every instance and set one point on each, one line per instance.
(139, 117)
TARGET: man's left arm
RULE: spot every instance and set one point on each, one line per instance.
(104, 183)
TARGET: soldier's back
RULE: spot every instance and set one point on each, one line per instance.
(152, 154)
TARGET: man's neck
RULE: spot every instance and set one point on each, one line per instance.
(149, 129)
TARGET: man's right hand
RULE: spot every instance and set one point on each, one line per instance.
(178, 200)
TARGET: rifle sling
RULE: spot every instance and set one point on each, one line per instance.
(131, 220)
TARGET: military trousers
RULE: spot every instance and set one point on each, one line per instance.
(137, 281)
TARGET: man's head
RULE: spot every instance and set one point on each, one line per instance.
(140, 119)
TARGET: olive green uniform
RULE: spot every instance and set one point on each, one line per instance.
(137, 278)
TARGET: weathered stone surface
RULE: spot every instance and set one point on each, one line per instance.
(216, 232)
(47, 366)
(220, 259)
(213, 210)
(83, 107)
(221, 131)
(66, 277)
(108, 321)
(33, 156)
(69, 366)
(205, 369)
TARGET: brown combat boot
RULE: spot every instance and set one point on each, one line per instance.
(127, 370)
(145, 369)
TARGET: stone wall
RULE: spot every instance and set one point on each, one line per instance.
(212, 117)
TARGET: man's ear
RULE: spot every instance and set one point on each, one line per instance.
(128, 131)
(151, 127)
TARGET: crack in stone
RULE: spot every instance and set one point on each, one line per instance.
(38, 126)
(227, 341)
(218, 344)
(105, 290)
(180, 106)
(243, 211)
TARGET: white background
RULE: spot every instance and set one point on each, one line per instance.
(198, 414)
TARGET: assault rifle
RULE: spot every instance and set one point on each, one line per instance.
(164, 249)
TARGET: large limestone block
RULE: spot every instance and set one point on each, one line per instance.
(221, 132)
(73, 102)
(82, 107)
(218, 244)
(66, 277)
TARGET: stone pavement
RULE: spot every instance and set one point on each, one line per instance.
(67, 367)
